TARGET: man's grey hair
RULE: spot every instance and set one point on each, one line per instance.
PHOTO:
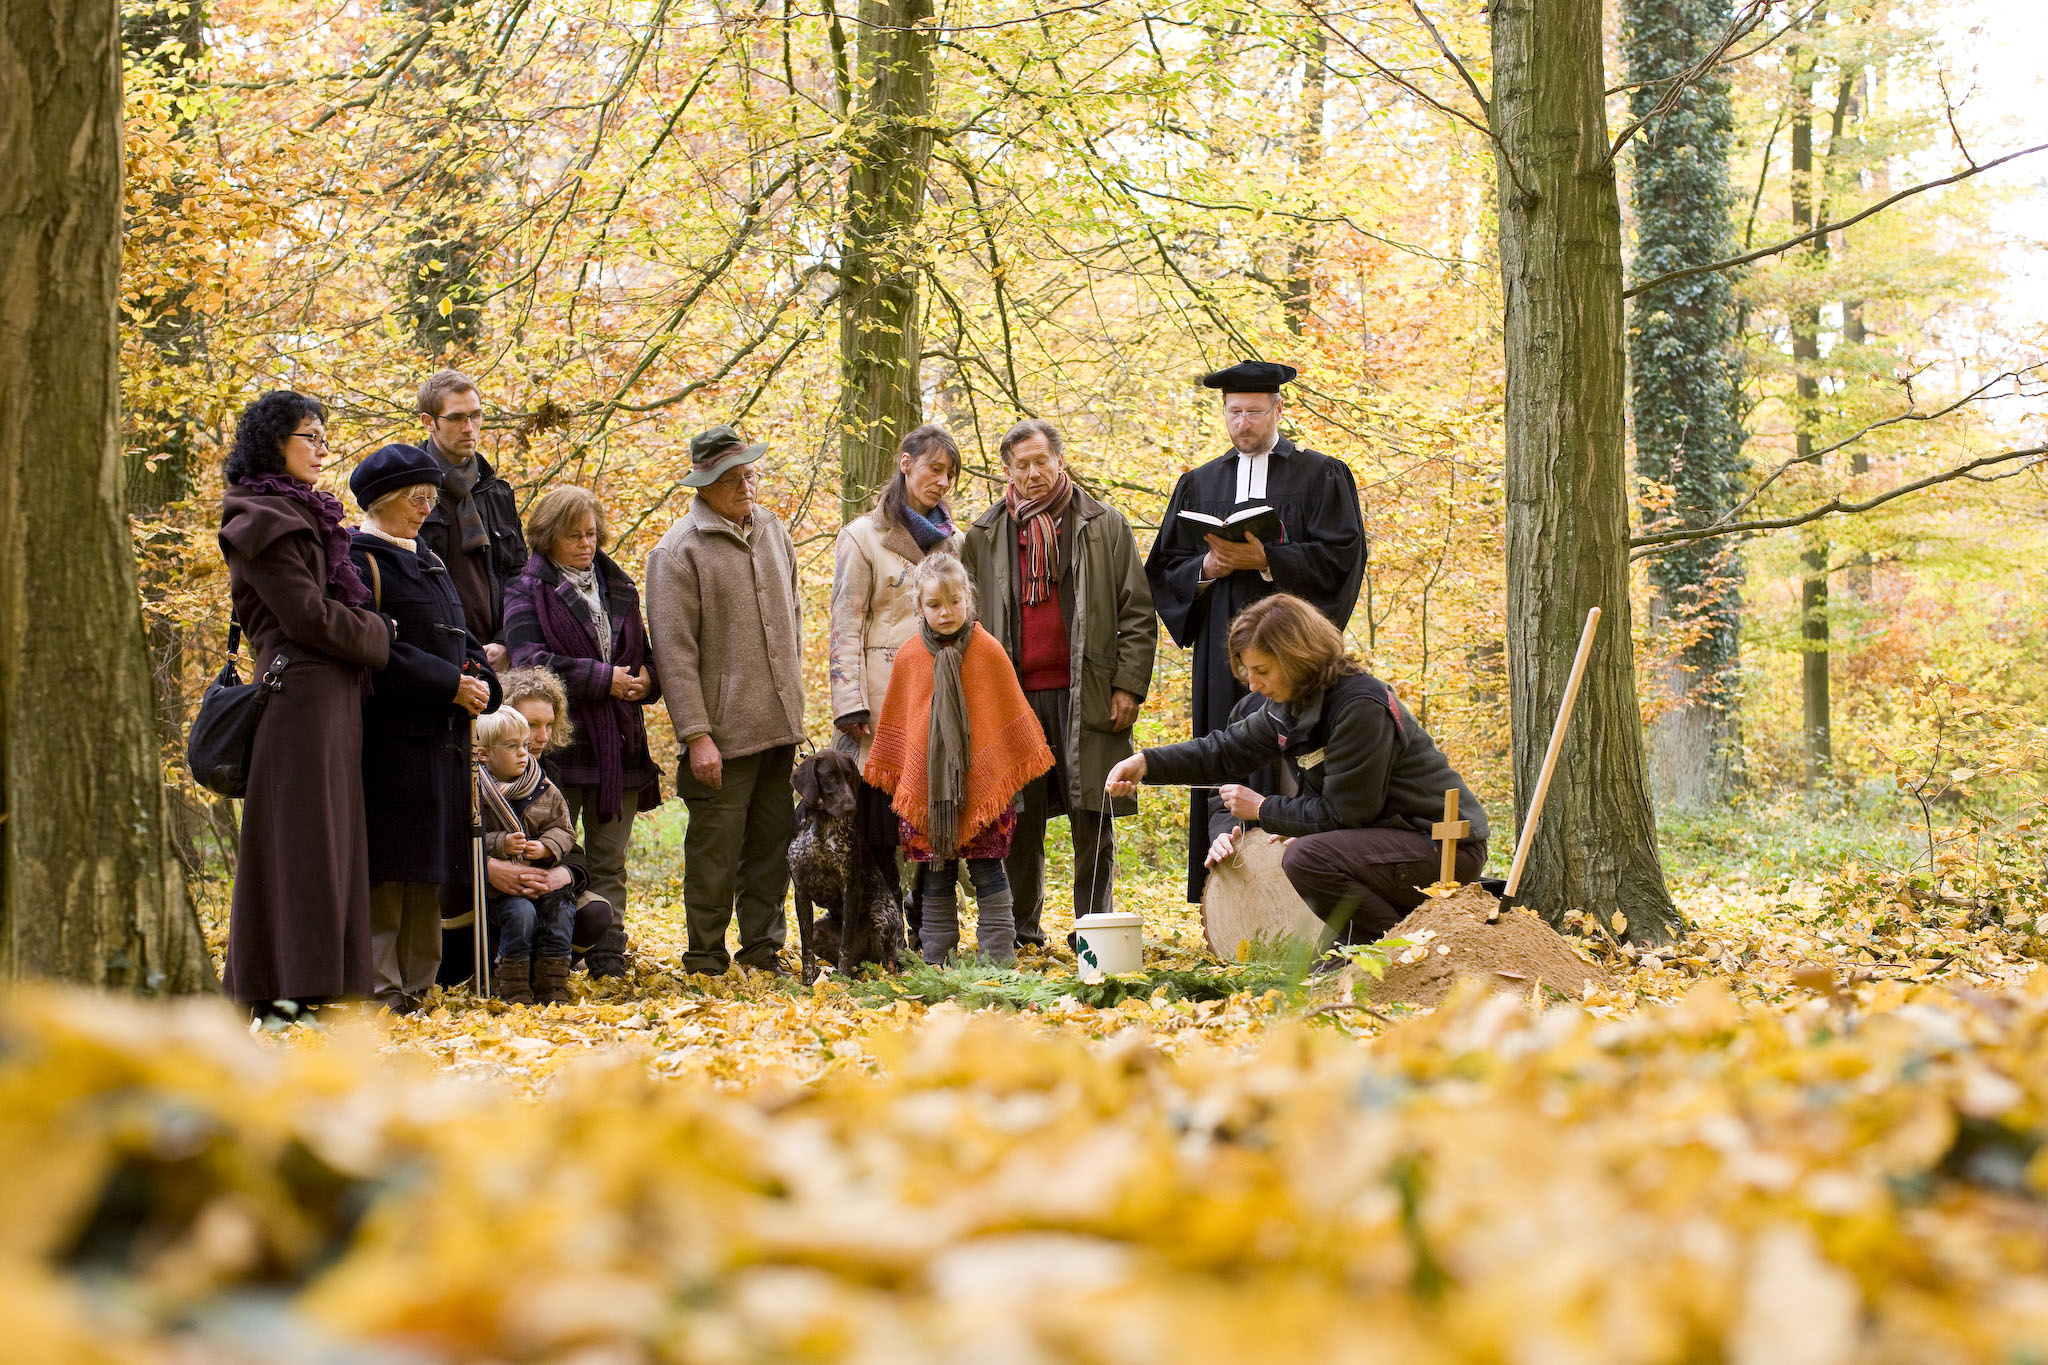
(1025, 430)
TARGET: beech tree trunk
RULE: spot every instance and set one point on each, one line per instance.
(90, 888)
(1567, 472)
(879, 336)
(1816, 723)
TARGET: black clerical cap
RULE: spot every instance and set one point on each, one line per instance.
(1250, 376)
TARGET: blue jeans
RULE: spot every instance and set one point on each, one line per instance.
(532, 928)
(940, 876)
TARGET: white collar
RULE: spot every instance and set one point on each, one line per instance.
(400, 541)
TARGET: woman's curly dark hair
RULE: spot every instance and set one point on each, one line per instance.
(261, 431)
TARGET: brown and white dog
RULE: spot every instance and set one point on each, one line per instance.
(830, 867)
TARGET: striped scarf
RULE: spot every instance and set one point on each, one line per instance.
(1039, 520)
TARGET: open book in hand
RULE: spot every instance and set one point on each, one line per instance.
(1258, 522)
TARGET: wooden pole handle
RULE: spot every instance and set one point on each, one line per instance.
(1564, 715)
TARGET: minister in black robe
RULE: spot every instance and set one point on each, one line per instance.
(1322, 556)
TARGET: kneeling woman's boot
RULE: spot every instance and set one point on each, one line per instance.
(513, 981)
(607, 957)
(553, 986)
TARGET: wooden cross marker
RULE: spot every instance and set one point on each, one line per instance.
(1450, 830)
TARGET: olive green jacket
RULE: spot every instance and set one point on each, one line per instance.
(1112, 632)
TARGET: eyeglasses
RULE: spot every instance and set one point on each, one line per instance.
(422, 498)
(749, 477)
(312, 438)
(473, 418)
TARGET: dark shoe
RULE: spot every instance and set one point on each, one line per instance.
(401, 1004)
(512, 982)
(553, 986)
(774, 966)
(607, 958)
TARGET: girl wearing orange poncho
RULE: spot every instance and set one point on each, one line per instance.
(955, 744)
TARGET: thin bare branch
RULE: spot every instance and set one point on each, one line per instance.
(1673, 276)
(1656, 542)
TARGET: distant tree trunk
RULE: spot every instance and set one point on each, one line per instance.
(164, 425)
(443, 282)
(1567, 473)
(1815, 722)
(890, 148)
(90, 890)
(1298, 299)
(1688, 431)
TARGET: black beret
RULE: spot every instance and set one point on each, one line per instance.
(393, 467)
(1250, 376)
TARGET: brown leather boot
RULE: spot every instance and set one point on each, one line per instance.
(553, 986)
(511, 982)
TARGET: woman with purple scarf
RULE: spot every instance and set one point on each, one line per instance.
(874, 601)
(299, 930)
(573, 610)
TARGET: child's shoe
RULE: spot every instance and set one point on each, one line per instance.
(553, 986)
(513, 982)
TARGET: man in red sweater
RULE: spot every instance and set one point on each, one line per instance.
(1061, 584)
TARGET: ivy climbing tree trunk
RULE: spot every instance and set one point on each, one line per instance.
(889, 151)
(1567, 474)
(443, 287)
(90, 890)
(1685, 400)
(163, 431)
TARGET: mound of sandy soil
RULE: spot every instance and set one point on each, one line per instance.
(1511, 956)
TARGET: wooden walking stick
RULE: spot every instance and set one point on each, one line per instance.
(1564, 715)
(476, 867)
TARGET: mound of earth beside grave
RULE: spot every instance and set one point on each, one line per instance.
(1456, 943)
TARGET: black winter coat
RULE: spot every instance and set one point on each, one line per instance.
(415, 739)
(1359, 759)
(491, 568)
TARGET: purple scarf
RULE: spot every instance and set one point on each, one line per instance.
(606, 720)
(343, 582)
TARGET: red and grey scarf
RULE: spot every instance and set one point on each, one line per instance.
(1039, 551)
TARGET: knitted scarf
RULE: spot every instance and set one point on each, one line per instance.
(498, 795)
(1039, 520)
(928, 530)
(459, 484)
(343, 582)
(1002, 746)
(606, 720)
(949, 739)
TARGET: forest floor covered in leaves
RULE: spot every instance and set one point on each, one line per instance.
(1810, 1132)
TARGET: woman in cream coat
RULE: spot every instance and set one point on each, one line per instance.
(874, 604)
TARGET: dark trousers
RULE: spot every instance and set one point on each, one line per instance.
(736, 858)
(1043, 798)
(1370, 877)
(532, 928)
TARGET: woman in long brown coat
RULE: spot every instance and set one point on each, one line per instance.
(300, 927)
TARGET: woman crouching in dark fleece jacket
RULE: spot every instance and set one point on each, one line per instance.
(1369, 781)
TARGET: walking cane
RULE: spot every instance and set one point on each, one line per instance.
(476, 863)
(1564, 715)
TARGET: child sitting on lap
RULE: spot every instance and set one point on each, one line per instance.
(955, 744)
(525, 820)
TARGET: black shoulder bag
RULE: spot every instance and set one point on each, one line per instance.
(224, 732)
